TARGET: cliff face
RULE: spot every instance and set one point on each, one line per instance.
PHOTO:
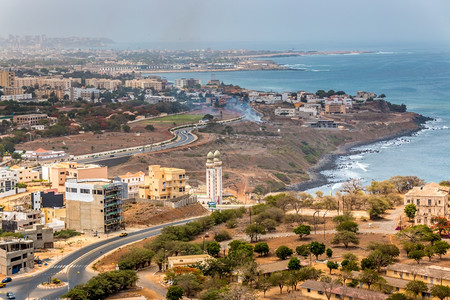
(278, 152)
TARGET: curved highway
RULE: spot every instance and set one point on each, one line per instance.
(73, 267)
(184, 137)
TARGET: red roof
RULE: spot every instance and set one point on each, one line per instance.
(40, 150)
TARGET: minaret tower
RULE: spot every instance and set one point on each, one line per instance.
(210, 177)
(218, 175)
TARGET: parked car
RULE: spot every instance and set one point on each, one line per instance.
(123, 234)
(7, 279)
(10, 295)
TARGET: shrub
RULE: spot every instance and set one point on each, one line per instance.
(262, 248)
(221, 236)
(231, 223)
(283, 252)
(65, 234)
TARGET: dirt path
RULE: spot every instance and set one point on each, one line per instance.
(148, 280)
(387, 225)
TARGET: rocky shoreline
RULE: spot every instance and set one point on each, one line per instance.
(328, 161)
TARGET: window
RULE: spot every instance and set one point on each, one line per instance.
(429, 201)
(85, 191)
(309, 290)
(67, 189)
(320, 292)
(39, 236)
(73, 190)
(101, 210)
(418, 201)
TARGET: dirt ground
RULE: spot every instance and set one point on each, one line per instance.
(89, 142)
(274, 153)
(145, 214)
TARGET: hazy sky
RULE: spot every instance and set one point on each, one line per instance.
(298, 21)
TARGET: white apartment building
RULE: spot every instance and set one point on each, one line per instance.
(88, 94)
(16, 97)
(133, 181)
(8, 180)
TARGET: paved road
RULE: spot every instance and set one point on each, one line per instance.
(72, 268)
(185, 136)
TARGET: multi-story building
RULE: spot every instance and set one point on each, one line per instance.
(431, 200)
(133, 181)
(48, 198)
(25, 174)
(163, 183)
(58, 173)
(187, 83)
(94, 205)
(47, 93)
(7, 79)
(28, 120)
(13, 220)
(16, 97)
(147, 83)
(52, 82)
(214, 187)
(16, 255)
(152, 99)
(100, 83)
(88, 94)
(8, 180)
(41, 235)
(335, 108)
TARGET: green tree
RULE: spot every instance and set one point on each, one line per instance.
(174, 292)
(294, 264)
(332, 265)
(329, 253)
(369, 277)
(345, 237)
(150, 127)
(262, 248)
(213, 248)
(397, 296)
(379, 259)
(389, 249)
(302, 230)
(429, 252)
(317, 248)
(126, 128)
(279, 279)
(440, 291)
(410, 211)
(222, 235)
(253, 230)
(417, 255)
(348, 226)
(303, 250)
(416, 288)
(190, 284)
(283, 252)
(440, 248)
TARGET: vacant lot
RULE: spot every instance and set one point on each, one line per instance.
(178, 119)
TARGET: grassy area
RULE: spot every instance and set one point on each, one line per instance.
(179, 119)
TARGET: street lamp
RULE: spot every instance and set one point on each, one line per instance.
(314, 218)
(324, 224)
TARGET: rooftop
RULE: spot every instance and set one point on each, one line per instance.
(431, 189)
(354, 293)
(431, 271)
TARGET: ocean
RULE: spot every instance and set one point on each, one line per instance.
(419, 79)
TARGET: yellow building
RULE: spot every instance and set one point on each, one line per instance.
(51, 213)
(145, 84)
(186, 260)
(7, 79)
(431, 200)
(57, 174)
(319, 290)
(25, 174)
(429, 274)
(163, 183)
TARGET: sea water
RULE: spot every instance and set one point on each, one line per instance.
(419, 79)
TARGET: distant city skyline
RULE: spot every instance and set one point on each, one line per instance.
(292, 22)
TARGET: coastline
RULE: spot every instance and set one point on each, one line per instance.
(328, 161)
